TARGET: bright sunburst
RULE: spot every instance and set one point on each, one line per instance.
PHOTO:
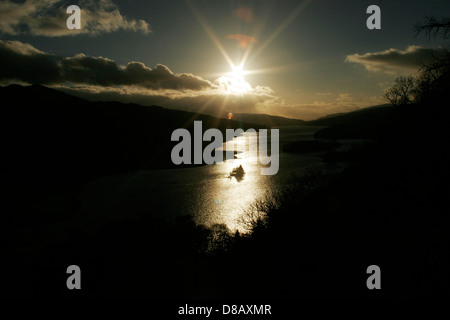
(238, 72)
(234, 82)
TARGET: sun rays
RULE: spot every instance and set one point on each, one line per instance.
(233, 82)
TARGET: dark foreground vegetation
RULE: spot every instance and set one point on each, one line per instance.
(315, 240)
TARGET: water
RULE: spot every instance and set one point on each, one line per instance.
(207, 193)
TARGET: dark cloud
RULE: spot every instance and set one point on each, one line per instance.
(23, 62)
(397, 61)
(103, 71)
(244, 41)
(48, 18)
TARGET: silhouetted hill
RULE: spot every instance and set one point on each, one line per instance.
(365, 114)
(266, 120)
(52, 141)
(369, 123)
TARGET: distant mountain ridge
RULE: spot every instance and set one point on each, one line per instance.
(347, 117)
(328, 120)
(368, 123)
(267, 120)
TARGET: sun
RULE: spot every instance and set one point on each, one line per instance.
(233, 83)
(238, 72)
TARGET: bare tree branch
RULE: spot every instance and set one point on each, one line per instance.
(434, 27)
(403, 92)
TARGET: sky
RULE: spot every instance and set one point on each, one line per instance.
(299, 59)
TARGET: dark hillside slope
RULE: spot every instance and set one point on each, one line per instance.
(370, 123)
(267, 120)
(52, 141)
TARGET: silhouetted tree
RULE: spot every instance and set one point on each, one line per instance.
(403, 92)
(434, 79)
(432, 85)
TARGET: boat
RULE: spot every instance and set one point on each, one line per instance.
(237, 172)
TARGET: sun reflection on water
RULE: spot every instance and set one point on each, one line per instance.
(232, 196)
(206, 193)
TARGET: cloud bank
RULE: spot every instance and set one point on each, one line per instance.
(48, 18)
(24, 62)
(396, 61)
